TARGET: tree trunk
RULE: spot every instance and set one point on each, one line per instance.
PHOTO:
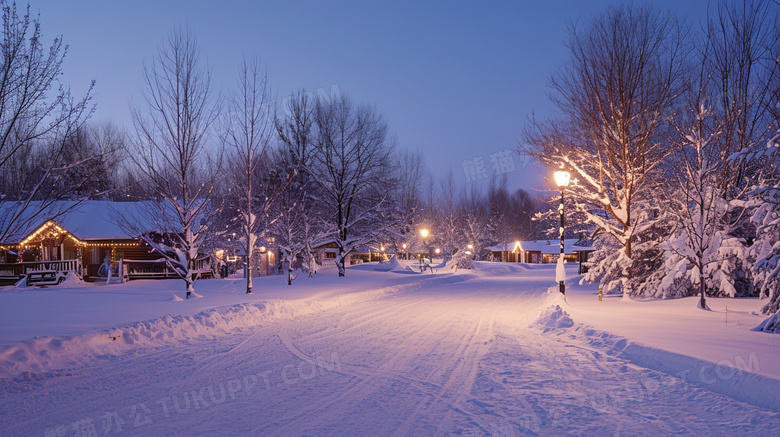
(341, 260)
(627, 281)
(248, 267)
(188, 280)
(702, 289)
(628, 248)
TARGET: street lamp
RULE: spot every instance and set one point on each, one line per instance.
(562, 180)
(406, 255)
(424, 235)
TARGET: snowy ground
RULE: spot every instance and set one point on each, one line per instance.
(483, 352)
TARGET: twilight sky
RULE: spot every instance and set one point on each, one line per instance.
(455, 79)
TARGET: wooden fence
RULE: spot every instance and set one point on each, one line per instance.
(153, 269)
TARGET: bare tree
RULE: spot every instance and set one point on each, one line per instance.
(38, 116)
(411, 176)
(100, 147)
(350, 162)
(474, 217)
(740, 53)
(302, 221)
(173, 155)
(447, 227)
(511, 213)
(614, 95)
(248, 131)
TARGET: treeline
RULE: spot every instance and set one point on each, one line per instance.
(670, 131)
(211, 168)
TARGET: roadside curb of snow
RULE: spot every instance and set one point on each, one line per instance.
(41, 356)
(736, 382)
(730, 377)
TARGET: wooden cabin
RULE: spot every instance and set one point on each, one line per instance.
(84, 240)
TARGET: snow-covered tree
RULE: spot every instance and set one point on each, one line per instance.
(614, 94)
(174, 156)
(766, 248)
(696, 202)
(644, 272)
(721, 113)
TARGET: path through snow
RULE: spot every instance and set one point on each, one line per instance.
(456, 354)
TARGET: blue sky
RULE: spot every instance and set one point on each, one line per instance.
(455, 79)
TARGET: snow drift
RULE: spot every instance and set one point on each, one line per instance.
(734, 377)
(771, 324)
(553, 317)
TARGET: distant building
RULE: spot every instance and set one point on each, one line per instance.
(542, 251)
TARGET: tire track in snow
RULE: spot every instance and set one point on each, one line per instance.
(460, 379)
(362, 385)
(363, 320)
(391, 307)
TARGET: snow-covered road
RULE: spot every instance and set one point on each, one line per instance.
(438, 355)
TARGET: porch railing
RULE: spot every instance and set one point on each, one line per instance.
(10, 271)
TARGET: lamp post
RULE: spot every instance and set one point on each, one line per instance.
(562, 180)
(406, 256)
(424, 235)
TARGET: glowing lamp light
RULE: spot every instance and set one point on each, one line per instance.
(424, 233)
(562, 178)
(404, 246)
(437, 251)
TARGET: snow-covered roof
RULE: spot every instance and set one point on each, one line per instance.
(95, 220)
(543, 246)
(88, 220)
(584, 245)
